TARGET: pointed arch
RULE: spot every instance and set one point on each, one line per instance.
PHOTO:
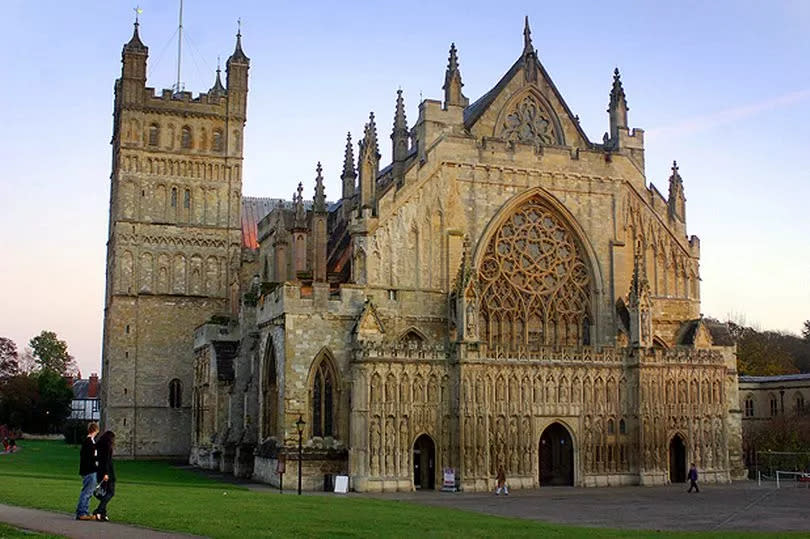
(412, 335)
(529, 117)
(269, 389)
(324, 389)
(519, 306)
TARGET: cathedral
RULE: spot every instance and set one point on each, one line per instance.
(502, 292)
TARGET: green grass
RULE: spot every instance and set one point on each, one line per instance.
(44, 475)
(10, 532)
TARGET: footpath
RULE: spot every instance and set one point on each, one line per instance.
(65, 524)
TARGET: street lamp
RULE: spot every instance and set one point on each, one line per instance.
(300, 426)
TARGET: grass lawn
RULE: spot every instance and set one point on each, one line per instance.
(44, 475)
(10, 532)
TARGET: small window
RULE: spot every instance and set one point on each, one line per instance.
(749, 407)
(154, 135)
(95, 405)
(127, 329)
(174, 197)
(175, 393)
(392, 295)
(217, 145)
(774, 406)
(611, 427)
(187, 199)
(622, 427)
(185, 138)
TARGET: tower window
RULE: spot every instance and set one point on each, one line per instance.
(185, 138)
(175, 393)
(187, 199)
(154, 134)
(217, 145)
(174, 197)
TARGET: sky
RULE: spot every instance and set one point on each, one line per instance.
(721, 86)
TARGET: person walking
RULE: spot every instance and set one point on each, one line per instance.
(693, 476)
(105, 472)
(501, 482)
(87, 469)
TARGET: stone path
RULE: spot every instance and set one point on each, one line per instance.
(739, 506)
(64, 524)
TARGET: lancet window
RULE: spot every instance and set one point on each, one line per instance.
(534, 282)
(269, 391)
(323, 398)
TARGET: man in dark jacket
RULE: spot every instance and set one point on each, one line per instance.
(87, 469)
(692, 475)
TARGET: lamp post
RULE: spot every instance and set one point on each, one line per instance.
(300, 426)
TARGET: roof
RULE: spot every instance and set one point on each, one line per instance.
(254, 209)
(718, 331)
(776, 378)
(225, 352)
(81, 390)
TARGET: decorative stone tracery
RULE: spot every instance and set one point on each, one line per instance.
(534, 281)
(529, 122)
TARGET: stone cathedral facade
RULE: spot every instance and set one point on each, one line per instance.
(505, 292)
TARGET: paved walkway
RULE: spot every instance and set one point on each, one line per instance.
(739, 506)
(64, 524)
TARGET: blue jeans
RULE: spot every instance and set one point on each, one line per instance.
(88, 484)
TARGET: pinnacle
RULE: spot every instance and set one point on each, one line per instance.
(528, 48)
(348, 158)
(135, 44)
(400, 122)
(238, 54)
(617, 91)
(452, 62)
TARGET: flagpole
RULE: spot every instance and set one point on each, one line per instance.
(179, 46)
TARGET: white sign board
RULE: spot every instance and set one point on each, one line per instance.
(449, 482)
(342, 484)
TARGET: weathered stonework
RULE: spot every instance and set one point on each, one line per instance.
(505, 293)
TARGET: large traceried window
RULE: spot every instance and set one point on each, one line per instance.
(534, 282)
(323, 398)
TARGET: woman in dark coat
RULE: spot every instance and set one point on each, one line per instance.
(106, 472)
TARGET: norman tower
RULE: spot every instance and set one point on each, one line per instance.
(173, 250)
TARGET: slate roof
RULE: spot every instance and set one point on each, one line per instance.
(81, 389)
(719, 332)
(225, 352)
(254, 209)
(776, 378)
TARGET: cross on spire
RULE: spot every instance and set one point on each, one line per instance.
(138, 11)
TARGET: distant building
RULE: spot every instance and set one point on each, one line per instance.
(763, 398)
(85, 404)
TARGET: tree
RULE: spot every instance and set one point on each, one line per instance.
(55, 396)
(9, 358)
(764, 353)
(51, 353)
(806, 330)
(19, 399)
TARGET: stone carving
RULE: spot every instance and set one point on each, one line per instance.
(529, 123)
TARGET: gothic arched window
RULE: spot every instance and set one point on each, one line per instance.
(749, 406)
(622, 427)
(154, 135)
(774, 406)
(187, 199)
(185, 138)
(175, 393)
(534, 280)
(174, 197)
(323, 398)
(269, 391)
(798, 403)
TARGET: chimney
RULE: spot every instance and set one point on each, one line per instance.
(92, 386)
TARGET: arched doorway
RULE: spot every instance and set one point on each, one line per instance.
(556, 456)
(424, 463)
(677, 460)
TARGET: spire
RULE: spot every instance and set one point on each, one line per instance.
(676, 200)
(135, 44)
(399, 136)
(638, 301)
(617, 92)
(529, 54)
(217, 89)
(238, 54)
(348, 159)
(639, 286)
(298, 203)
(319, 201)
(528, 48)
(369, 142)
(617, 109)
(452, 81)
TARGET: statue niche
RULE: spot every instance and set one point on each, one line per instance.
(534, 280)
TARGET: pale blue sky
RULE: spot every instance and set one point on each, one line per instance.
(723, 87)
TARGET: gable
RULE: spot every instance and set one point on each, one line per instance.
(525, 106)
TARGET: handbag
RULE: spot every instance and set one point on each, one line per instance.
(101, 490)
